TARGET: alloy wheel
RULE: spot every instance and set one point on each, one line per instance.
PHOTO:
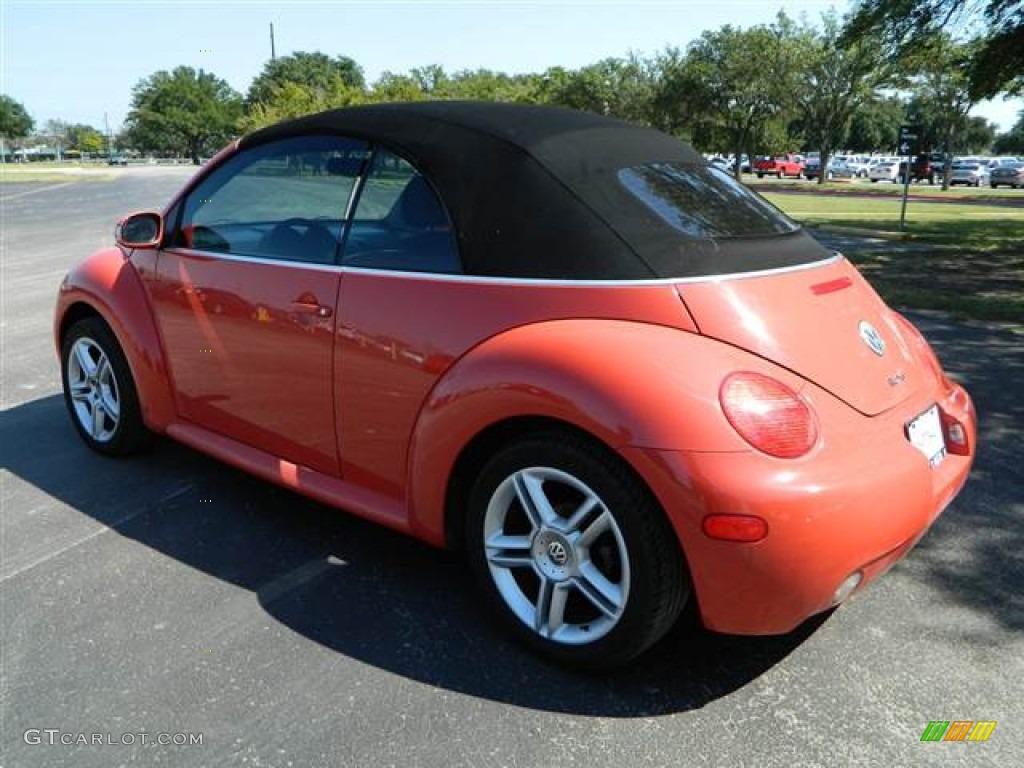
(95, 395)
(556, 555)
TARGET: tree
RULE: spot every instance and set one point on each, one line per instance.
(188, 111)
(1011, 142)
(317, 72)
(392, 87)
(876, 125)
(15, 122)
(996, 64)
(978, 135)
(836, 78)
(85, 139)
(941, 93)
(623, 88)
(733, 83)
(290, 100)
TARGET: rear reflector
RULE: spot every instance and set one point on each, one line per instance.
(831, 286)
(849, 584)
(768, 414)
(735, 527)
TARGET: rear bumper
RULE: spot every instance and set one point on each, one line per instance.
(858, 502)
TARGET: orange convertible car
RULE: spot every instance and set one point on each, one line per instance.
(615, 377)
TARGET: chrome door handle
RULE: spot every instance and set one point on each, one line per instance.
(312, 308)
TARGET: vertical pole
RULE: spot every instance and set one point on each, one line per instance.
(272, 53)
(106, 126)
(906, 189)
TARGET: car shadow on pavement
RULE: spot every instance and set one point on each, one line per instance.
(371, 594)
(973, 552)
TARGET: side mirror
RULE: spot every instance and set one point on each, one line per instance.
(142, 230)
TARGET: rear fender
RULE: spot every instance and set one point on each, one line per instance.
(625, 383)
(108, 283)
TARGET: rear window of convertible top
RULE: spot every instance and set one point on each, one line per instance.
(704, 202)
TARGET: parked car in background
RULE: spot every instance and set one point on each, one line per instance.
(615, 378)
(921, 169)
(838, 168)
(117, 160)
(724, 163)
(859, 164)
(1010, 173)
(885, 170)
(971, 174)
(781, 166)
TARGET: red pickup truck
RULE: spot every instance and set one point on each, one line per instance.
(780, 165)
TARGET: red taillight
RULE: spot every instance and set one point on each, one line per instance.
(955, 434)
(735, 527)
(768, 414)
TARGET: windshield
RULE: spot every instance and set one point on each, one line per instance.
(704, 202)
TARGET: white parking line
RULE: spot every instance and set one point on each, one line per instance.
(103, 529)
(35, 191)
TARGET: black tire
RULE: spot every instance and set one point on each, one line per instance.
(658, 582)
(760, 175)
(874, 181)
(127, 434)
(781, 175)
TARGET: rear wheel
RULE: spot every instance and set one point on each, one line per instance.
(572, 552)
(99, 390)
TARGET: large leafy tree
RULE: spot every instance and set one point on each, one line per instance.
(941, 94)
(875, 125)
(1011, 142)
(85, 138)
(621, 88)
(996, 64)
(835, 79)
(187, 111)
(290, 100)
(316, 72)
(15, 122)
(733, 84)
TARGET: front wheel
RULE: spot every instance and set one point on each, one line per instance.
(573, 553)
(99, 390)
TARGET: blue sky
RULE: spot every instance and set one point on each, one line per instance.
(78, 60)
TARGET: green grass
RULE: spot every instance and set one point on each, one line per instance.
(886, 189)
(969, 286)
(976, 269)
(973, 227)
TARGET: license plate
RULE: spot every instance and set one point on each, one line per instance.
(925, 434)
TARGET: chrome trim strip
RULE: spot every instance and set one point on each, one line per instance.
(438, 277)
(836, 256)
(255, 259)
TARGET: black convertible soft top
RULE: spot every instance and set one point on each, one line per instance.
(533, 192)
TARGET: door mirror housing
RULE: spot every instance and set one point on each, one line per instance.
(143, 230)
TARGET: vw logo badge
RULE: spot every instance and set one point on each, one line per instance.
(872, 337)
(557, 553)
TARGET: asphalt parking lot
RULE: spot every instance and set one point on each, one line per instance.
(173, 595)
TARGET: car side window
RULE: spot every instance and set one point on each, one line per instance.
(281, 200)
(399, 222)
